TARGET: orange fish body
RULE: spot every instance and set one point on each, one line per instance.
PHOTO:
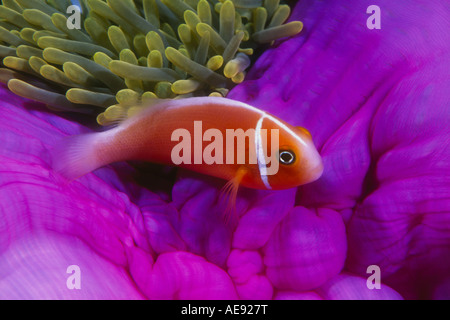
(214, 136)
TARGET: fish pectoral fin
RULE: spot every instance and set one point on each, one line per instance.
(228, 194)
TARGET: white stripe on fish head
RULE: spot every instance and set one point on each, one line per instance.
(260, 153)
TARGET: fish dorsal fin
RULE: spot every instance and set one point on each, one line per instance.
(305, 131)
(119, 113)
(228, 195)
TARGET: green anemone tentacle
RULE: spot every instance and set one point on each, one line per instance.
(125, 52)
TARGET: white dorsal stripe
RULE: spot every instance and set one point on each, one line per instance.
(286, 129)
(238, 104)
(260, 153)
(204, 101)
(187, 102)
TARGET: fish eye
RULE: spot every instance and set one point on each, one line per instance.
(287, 157)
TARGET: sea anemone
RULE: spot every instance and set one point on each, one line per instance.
(125, 52)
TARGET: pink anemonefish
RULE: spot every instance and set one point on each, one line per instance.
(149, 136)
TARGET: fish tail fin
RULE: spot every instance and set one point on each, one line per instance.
(75, 156)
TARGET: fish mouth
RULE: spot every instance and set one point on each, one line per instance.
(315, 169)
